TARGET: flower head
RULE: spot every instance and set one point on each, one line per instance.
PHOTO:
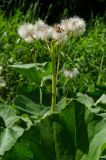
(75, 26)
(71, 73)
(59, 34)
(26, 31)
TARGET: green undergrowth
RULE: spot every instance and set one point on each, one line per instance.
(76, 132)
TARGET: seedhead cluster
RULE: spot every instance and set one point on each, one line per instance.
(60, 32)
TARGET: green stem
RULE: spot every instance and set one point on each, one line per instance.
(40, 95)
(58, 65)
(54, 74)
(54, 77)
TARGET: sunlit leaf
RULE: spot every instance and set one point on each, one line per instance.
(97, 146)
(85, 99)
(35, 71)
(61, 104)
(25, 104)
(8, 115)
(8, 138)
(102, 100)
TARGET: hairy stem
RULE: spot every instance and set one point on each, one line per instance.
(54, 77)
(54, 74)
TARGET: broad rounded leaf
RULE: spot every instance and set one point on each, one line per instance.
(97, 146)
(8, 138)
(35, 71)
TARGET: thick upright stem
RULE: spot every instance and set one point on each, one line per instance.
(53, 83)
(54, 75)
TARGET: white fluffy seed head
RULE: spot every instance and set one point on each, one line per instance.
(44, 33)
(59, 34)
(71, 73)
(61, 37)
(40, 24)
(26, 31)
(74, 26)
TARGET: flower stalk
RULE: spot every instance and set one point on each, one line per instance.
(54, 78)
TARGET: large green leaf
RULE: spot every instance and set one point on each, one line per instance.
(63, 147)
(82, 139)
(34, 72)
(11, 128)
(46, 139)
(65, 135)
(38, 142)
(26, 105)
(97, 146)
(67, 117)
(94, 124)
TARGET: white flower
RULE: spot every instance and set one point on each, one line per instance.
(71, 73)
(75, 26)
(26, 31)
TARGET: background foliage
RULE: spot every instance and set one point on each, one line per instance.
(52, 10)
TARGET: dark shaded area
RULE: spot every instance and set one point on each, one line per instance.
(55, 10)
(2, 123)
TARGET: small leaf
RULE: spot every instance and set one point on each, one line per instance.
(85, 99)
(25, 104)
(61, 104)
(102, 100)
